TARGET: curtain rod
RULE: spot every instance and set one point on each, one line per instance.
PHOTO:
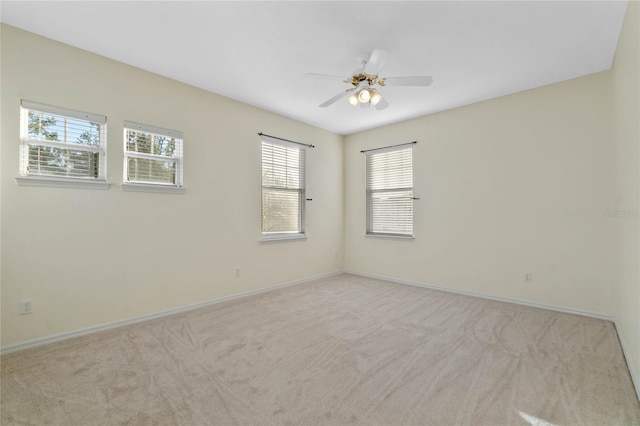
(390, 146)
(287, 140)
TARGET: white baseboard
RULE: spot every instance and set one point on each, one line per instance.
(557, 308)
(627, 356)
(115, 324)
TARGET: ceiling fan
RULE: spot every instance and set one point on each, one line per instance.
(364, 79)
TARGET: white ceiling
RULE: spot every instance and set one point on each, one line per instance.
(258, 52)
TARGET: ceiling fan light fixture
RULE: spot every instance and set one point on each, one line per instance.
(364, 96)
(353, 100)
(375, 97)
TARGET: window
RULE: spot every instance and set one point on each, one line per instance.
(283, 189)
(61, 147)
(152, 158)
(390, 191)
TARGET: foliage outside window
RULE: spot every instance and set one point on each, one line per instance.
(152, 156)
(389, 174)
(283, 189)
(63, 144)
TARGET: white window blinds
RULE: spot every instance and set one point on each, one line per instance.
(61, 143)
(390, 191)
(283, 188)
(152, 155)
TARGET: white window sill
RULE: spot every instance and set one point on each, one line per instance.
(58, 182)
(141, 187)
(390, 236)
(283, 237)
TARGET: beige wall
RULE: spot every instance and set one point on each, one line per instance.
(88, 257)
(509, 186)
(626, 112)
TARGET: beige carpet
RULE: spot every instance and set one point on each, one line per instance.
(341, 350)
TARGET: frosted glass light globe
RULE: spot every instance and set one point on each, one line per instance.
(375, 98)
(364, 96)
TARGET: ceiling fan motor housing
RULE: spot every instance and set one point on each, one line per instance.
(356, 79)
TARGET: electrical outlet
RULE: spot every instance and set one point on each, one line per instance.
(237, 273)
(528, 277)
(26, 306)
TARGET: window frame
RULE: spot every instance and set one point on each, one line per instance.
(140, 186)
(49, 180)
(284, 235)
(369, 231)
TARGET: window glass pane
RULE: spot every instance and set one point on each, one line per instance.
(46, 160)
(151, 171)
(390, 170)
(53, 127)
(282, 188)
(390, 192)
(149, 143)
(392, 212)
(61, 142)
(282, 166)
(152, 155)
(280, 210)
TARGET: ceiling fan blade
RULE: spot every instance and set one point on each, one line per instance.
(407, 81)
(382, 104)
(376, 61)
(323, 76)
(335, 99)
